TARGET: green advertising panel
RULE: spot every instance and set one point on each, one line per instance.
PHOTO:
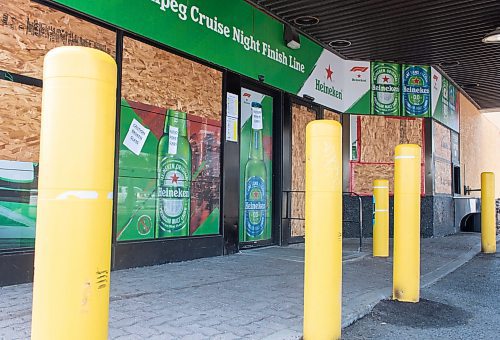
(255, 166)
(230, 33)
(169, 174)
(18, 193)
(416, 91)
(385, 88)
(445, 101)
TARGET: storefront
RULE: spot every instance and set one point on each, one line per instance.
(211, 116)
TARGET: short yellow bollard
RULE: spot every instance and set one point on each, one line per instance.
(406, 269)
(381, 218)
(73, 235)
(488, 228)
(323, 235)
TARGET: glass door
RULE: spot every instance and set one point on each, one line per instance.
(256, 168)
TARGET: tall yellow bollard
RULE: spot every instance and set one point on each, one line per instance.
(488, 228)
(323, 247)
(73, 235)
(381, 218)
(406, 269)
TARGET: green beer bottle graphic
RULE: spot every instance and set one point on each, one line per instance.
(173, 178)
(255, 182)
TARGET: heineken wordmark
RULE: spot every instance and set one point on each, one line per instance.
(174, 178)
(385, 78)
(255, 181)
(416, 90)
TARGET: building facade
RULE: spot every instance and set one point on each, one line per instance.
(210, 136)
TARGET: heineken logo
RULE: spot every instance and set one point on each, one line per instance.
(329, 73)
(386, 88)
(416, 90)
(173, 192)
(328, 89)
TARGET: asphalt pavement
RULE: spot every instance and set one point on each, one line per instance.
(463, 305)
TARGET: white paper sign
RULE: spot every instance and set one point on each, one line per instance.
(232, 105)
(232, 129)
(173, 137)
(256, 118)
(136, 137)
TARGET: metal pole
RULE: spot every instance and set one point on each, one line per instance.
(381, 218)
(407, 178)
(488, 228)
(323, 248)
(74, 217)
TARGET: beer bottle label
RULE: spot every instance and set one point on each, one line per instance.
(416, 91)
(255, 206)
(385, 87)
(173, 195)
(173, 138)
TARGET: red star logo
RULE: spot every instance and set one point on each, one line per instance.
(386, 79)
(329, 73)
(255, 194)
(416, 81)
(359, 75)
(174, 178)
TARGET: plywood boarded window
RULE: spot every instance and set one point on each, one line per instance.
(442, 159)
(20, 122)
(301, 116)
(28, 30)
(156, 77)
(331, 115)
(378, 137)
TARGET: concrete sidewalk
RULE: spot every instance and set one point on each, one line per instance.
(257, 294)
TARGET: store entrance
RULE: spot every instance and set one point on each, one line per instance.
(257, 225)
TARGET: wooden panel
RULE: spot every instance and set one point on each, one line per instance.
(442, 142)
(20, 122)
(442, 177)
(29, 30)
(380, 136)
(156, 77)
(301, 116)
(364, 174)
(331, 115)
(479, 146)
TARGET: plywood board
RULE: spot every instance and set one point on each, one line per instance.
(379, 136)
(19, 122)
(364, 174)
(442, 177)
(331, 115)
(301, 116)
(157, 77)
(442, 142)
(29, 30)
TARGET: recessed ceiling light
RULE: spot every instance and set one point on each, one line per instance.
(468, 86)
(449, 63)
(339, 43)
(306, 20)
(492, 37)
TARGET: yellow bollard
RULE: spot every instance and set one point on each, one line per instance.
(323, 248)
(488, 228)
(406, 269)
(381, 218)
(73, 235)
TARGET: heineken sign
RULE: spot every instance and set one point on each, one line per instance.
(445, 101)
(235, 35)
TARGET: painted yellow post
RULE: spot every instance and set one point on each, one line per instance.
(323, 248)
(488, 228)
(73, 235)
(406, 269)
(381, 218)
